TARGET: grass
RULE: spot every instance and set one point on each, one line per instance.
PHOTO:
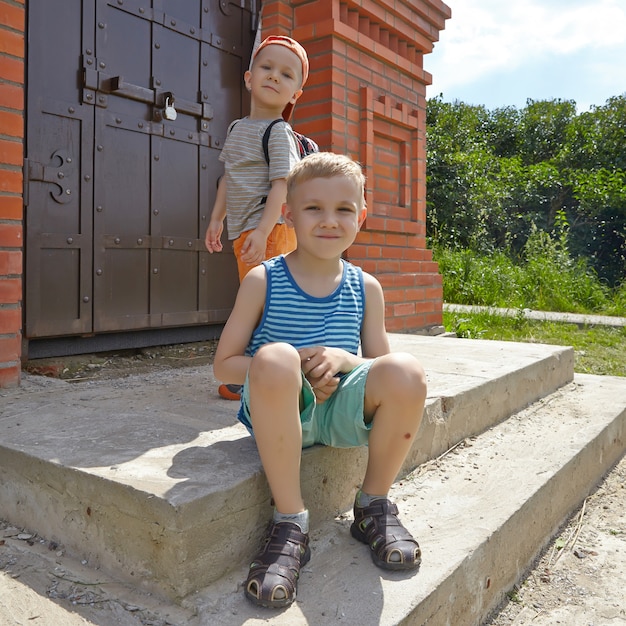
(548, 282)
(544, 278)
(598, 349)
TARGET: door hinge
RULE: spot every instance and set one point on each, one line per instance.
(59, 172)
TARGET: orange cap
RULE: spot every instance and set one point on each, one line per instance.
(298, 50)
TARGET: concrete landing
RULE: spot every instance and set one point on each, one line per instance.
(152, 478)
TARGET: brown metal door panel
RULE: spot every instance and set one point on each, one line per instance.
(179, 287)
(175, 189)
(122, 242)
(58, 173)
(122, 187)
(186, 15)
(124, 289)
(174, 228)
(56, 41)
(232, 21)
(59, 243)
(221, 282)
(123, 39)
(54, 176)
(175, 219)
(176, 63)
(61, 304)
(222, 80)
(124, 58)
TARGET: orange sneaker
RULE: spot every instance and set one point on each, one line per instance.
(230, 392)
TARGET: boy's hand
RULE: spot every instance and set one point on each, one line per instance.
(320, 366)
(323, 392)
(212, 238)
(253, 248)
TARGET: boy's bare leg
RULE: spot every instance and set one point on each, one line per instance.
(275, 385)
(395, 393)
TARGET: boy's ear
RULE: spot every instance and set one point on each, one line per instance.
(287, 215)
(246, 79)
(362, 216)
(296, 96)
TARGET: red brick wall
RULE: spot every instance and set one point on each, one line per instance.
(366, 97)
(12, 20)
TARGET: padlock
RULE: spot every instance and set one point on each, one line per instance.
(170, 112)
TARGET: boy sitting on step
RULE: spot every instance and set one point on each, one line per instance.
(292, 340)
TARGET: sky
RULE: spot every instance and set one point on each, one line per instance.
(499, 53)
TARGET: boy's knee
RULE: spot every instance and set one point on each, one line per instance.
(402, 374)
(274, 361)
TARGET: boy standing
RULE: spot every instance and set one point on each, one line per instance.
(292, 340)
(252, 191)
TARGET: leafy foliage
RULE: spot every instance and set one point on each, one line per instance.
(497, 178)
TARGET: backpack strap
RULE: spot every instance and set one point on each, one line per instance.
(266, 138)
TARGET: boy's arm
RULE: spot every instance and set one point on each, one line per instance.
(253, 249)
(230, 364)
(374, 339)
(212, 238)
(273, 205)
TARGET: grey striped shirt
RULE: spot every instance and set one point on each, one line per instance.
(248, 176)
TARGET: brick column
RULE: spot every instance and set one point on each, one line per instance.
(366, 97)
(11, 213)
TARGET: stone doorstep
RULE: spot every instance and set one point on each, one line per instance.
(144, 492)
(481, 513)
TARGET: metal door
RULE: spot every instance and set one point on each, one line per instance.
(128, 106)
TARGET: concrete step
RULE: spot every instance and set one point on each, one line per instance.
(481, 513)
(151, 477)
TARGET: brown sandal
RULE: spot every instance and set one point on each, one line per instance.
(273, 577)
(392, 545)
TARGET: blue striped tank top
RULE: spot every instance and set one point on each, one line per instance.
(292, 316)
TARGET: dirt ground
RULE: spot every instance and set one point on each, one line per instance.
(106, 365)
(579, 580)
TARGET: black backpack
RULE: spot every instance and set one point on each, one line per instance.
(305, 145)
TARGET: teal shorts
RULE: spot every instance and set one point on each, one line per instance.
(339, 422)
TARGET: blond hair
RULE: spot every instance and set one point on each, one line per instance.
(326, 165)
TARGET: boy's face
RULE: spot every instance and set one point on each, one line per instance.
(326, 214)
(275, 77)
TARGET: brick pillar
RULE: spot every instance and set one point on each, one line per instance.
(11, 213)
(366, 97)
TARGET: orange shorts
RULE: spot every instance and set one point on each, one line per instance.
(281, 240)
